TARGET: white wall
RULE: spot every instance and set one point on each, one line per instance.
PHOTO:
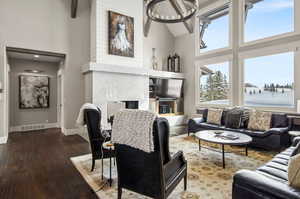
(163, 41)
(19, 117)
(47, 26)
(99, 28)
(185, 47)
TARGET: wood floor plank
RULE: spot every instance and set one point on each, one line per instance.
(37, 165)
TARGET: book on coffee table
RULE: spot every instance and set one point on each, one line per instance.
(228, 136)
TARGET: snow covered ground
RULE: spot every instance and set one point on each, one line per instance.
(265, 98)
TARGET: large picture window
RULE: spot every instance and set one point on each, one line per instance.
(269, 81)
(214, 29)
(214, 84)
(265, 18)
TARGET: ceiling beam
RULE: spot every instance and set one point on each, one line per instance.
(74, 5)
(147, 20)
(147, 26)
(180, 12)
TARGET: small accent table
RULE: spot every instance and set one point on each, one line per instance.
(213, 136)
(110, 146)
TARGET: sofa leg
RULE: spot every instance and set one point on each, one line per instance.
(185, 182)
(119, 192)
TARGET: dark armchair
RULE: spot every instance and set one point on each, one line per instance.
(154, 174)
(92, 119)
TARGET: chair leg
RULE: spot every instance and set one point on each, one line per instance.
(93, 165)
(119, 192)
(185, 182)
(102, 168)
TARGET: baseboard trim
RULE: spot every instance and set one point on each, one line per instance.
(82, 132)
(3, 140)
(67, 132)
(32, 127)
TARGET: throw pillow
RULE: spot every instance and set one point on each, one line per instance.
(245, 117)
(294, 171)
(214, 116)
(260, 120)
(233, 119)
(296, 150)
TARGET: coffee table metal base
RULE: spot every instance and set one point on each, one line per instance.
(223, 151)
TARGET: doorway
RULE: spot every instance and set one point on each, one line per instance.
(35, 89)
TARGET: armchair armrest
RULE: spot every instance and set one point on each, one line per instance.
(296, 141)
(176, 163)
(263, 185)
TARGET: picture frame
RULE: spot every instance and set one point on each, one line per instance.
(120, 34)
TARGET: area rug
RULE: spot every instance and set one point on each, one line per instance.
(206, 177)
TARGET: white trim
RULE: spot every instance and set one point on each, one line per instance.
(269, 50)
(33, 127)
(198, 65)
(3, 140)
(206, 9)
(268, 38)
(68, 132)
(215, 60)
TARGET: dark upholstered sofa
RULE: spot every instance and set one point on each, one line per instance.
(274, 139)
(268, 181)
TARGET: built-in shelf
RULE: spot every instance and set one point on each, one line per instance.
(165, 74)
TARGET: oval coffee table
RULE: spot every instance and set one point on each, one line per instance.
(218, 137)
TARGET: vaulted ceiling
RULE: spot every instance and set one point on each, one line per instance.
(179, 29)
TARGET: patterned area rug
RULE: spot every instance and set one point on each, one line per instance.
(206, 177)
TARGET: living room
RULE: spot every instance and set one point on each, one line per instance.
(137, 81)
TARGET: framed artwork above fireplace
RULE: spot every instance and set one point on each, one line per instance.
(120, 34)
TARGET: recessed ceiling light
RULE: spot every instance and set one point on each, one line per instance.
(36, 56)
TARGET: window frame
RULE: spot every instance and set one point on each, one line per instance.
(264, 52)
(202, 63)
(205, 10)
(244, 43)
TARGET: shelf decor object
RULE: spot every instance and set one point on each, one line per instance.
(154, 60)
(176, 59)
(169, 63)
(185, 9)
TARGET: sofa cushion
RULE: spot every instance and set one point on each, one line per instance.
(203, 112)
(279, 120)
(260, 120)
(245, 117)
(294, 171)
(224, 116)
(214, 116)
(233, 118)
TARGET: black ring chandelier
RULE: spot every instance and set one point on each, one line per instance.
(191, 6)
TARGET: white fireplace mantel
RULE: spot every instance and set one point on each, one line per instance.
(138, 71)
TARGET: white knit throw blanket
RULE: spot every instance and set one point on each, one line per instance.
(134, 128)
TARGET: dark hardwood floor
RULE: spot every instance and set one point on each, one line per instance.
(37, 165)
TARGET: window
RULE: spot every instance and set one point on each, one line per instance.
(214, 29)
(214, 84)
(267, 18)
(269, 81)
